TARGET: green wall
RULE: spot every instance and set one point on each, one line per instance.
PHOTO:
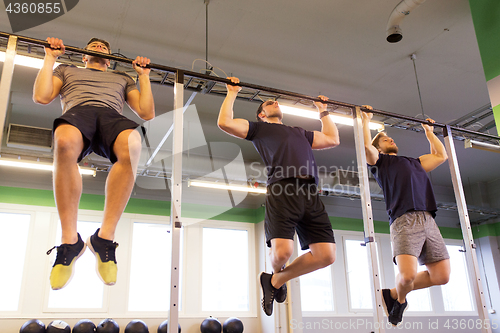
(485, 15)
(33, 197)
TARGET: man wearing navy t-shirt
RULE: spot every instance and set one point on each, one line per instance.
(411, 207)
(292, 201)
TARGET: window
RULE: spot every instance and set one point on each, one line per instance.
(86, 290)
(225, 270)
(13, 241)
(358, 275)
(316, 289)
(419, 300)
(459, 281)
(150, 267)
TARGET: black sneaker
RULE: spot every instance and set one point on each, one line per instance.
(387, 301)
(396, 315)
(280, 295)
(104, 251)
(268, 293)
(64, 266)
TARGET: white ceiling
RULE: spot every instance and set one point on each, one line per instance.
(335, 48)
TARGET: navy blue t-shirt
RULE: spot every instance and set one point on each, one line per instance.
(405, 184)
(286, 151)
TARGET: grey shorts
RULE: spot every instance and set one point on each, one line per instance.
(416, 233)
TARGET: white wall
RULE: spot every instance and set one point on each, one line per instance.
(37, 269)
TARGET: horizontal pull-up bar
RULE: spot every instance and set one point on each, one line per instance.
(164, 68)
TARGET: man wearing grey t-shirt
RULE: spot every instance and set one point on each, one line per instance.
(92, 100)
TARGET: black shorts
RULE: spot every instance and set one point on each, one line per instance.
(293, 205)
(99, 126)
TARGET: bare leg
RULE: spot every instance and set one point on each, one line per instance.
(120, 181)
(438, 273)
(68, 145)
(281, 251)
(319, 256)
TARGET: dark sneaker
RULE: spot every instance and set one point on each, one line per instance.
(396, 315)
(268, 293)
(387, 301)
(280, 295)
(64, 266)
(104, 251)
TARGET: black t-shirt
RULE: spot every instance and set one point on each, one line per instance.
(405, 184)
(286, 151)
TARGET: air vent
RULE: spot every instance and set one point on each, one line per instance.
(346, 177)
(28, 137)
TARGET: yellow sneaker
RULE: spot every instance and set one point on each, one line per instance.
(64, 266)
(104, 251)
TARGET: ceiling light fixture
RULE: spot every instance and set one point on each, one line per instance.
(308, 113)
(482, 145)
(222, 186)
(45, 166)
(26, 61)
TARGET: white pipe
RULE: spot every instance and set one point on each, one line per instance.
(394, 32)
(482, 145)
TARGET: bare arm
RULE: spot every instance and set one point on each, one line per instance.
(370, 151)
(142, 102)
(329, 135)
(47, 86)
(226, 121)
(438, 152)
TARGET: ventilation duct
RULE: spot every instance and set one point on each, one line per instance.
(394, 33)
(28, 137)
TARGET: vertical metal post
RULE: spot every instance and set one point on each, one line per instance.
(293, 301)
(176, 191)
(470, 246)
(369, 230)
(6, 81)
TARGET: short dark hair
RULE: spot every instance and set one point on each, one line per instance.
(94, 39)
(259, 110)
(376, 139)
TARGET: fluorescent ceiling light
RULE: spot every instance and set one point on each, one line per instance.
(40, 166)
(222, 186)
(27, 61)
(482, 145)
(307, 113)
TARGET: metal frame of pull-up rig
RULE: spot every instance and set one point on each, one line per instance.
(183, 79)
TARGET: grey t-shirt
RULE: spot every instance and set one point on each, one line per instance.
(87, 86)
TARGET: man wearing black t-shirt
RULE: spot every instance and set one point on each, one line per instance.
(292, 201)
(411, 207)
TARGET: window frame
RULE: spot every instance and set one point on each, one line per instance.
(459, 242)
(321, 314)
(33, 297)
(147, 313)
(356, 237)
(253, 290)
(83, 217)
(24, 278)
